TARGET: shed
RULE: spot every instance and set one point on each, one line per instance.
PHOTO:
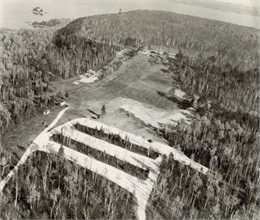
(172, 55)
(62, 103)
(46, 112)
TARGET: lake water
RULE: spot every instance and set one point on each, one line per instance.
(15, 14)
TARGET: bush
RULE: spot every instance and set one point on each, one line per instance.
(18, 119)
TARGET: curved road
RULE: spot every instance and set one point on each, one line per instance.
(33, 147)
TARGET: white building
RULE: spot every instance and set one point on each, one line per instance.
(62, 103)
(46, 112)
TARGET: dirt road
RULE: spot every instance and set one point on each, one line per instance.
(33, 147)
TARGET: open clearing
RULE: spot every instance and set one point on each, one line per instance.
(137, 79)
(148, 114)
(130, 95)
(135, 83)
(133, 107)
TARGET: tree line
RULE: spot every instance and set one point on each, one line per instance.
(48, 186)
(141, 173)
(31, 59)
(183, 193)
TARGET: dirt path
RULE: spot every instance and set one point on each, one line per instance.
(33, 147)
(139, 188)
(138, 140)
(110, 149)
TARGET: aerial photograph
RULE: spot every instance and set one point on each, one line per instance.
(130, 109)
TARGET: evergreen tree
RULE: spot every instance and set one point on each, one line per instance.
(103, 110)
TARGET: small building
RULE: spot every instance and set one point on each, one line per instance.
(46, 112)
(172, 55)
(62, 103)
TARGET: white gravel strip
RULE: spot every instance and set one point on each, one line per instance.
(139, 188)
(39, 140)
(156, 146)
(110, 149)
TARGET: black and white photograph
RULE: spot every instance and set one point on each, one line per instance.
(130, 109)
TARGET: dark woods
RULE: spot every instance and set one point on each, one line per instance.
(50, 187)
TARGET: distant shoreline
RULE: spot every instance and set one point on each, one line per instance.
(15, 14)
(228, 7)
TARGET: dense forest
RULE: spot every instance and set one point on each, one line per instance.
(237, 89)
(223, 136)
(23, 84)
(51, 23)
(229, 43)
(183, 193)
(30, 61)
(226, 142)
(50, 187)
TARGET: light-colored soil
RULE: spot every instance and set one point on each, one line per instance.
(85, 79)
(147, 114)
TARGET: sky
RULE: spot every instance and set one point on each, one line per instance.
(16, 13)
(246, 3)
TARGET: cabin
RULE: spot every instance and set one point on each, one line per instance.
(90, 73)
(62, 103)
(46, 112)
(172, 55)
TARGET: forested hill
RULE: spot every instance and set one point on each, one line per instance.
(31, 58)
(237, 45)
(215, 51)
